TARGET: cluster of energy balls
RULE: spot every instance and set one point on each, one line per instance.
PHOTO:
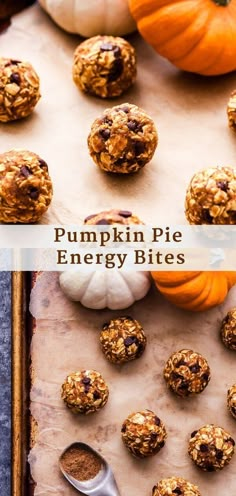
(144, 434)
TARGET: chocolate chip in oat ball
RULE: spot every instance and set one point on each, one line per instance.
(122, 340)
(112, 217)
(75, 393)
(210, 197)
(86, 380)
(157, 420)
(193, 433)
(105, 134)
(102, 222)
(116, 70)
(43, 164)
(175, 486)
(104, 66)
(126, 214)
(209, 449)
(25, 171)
(15, 78)
(25, 189)
(34, 193)
(139, 437)
(129, 152)
(223, 185)
(187, 372)
(15, 62)
(19, 89)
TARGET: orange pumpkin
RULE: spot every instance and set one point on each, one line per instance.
(195, 35)
(194, 291)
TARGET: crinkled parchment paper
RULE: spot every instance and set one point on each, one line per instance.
(67, 339)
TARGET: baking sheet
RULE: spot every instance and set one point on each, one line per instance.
(189, 112)
(66, 339)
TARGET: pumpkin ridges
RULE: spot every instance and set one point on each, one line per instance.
(165, 278)
(185, 291)
(208, 46)
(185, 41)
(174, 15)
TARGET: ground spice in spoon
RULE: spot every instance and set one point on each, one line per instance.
(82, 464)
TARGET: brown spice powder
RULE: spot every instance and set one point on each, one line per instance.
(82, 464)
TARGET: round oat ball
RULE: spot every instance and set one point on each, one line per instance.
(19, 89)
(231, 400)
(123, 139)
(25, 187)
(187, 372)
(211, 197)
(104, 66)
(211, 447)
(143, 433)
(84, 392)
(173, 486)
(114, 216)
(122, 340)
(228, 330)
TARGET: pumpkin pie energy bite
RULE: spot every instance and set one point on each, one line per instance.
(113, 216)
(104, 66)
(19, 89)
(231, 400)
(123, 139)
(211, 197)
(25, 187)
(122, 340)
(143, 433)
(173, 486)
(228, 330)
(211, 448)
(187, 372)
(84, 392)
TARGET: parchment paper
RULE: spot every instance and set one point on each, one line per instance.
(190, 114)
(67, 339)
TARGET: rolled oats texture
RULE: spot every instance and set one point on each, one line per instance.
(113, 216)
(231, 110)
(104, 66)
(187, 372)
(123, 139)
(211, 196)
(173, 486)
(143, 433)
(211, 447)
(228, 330)
(231, 400)
(19, 89)
(25, 187)
(85, 391)
(122, 340)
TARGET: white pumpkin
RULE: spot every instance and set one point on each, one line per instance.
(91, 17)
(115, 290)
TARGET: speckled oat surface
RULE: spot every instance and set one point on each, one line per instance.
(66, 329)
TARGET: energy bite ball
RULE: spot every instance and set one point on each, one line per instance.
(231, 400)
(211, 448)
(19, 89)
(122, 340)
(25, 187)
(104, 66)
(123, 139)
(84, 392)
(211, 197)
(187, 372)
(143, 433)
(228, 330)
(231, 110)
(114, 216)
(173, 486)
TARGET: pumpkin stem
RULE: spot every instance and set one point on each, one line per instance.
(222, 3)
